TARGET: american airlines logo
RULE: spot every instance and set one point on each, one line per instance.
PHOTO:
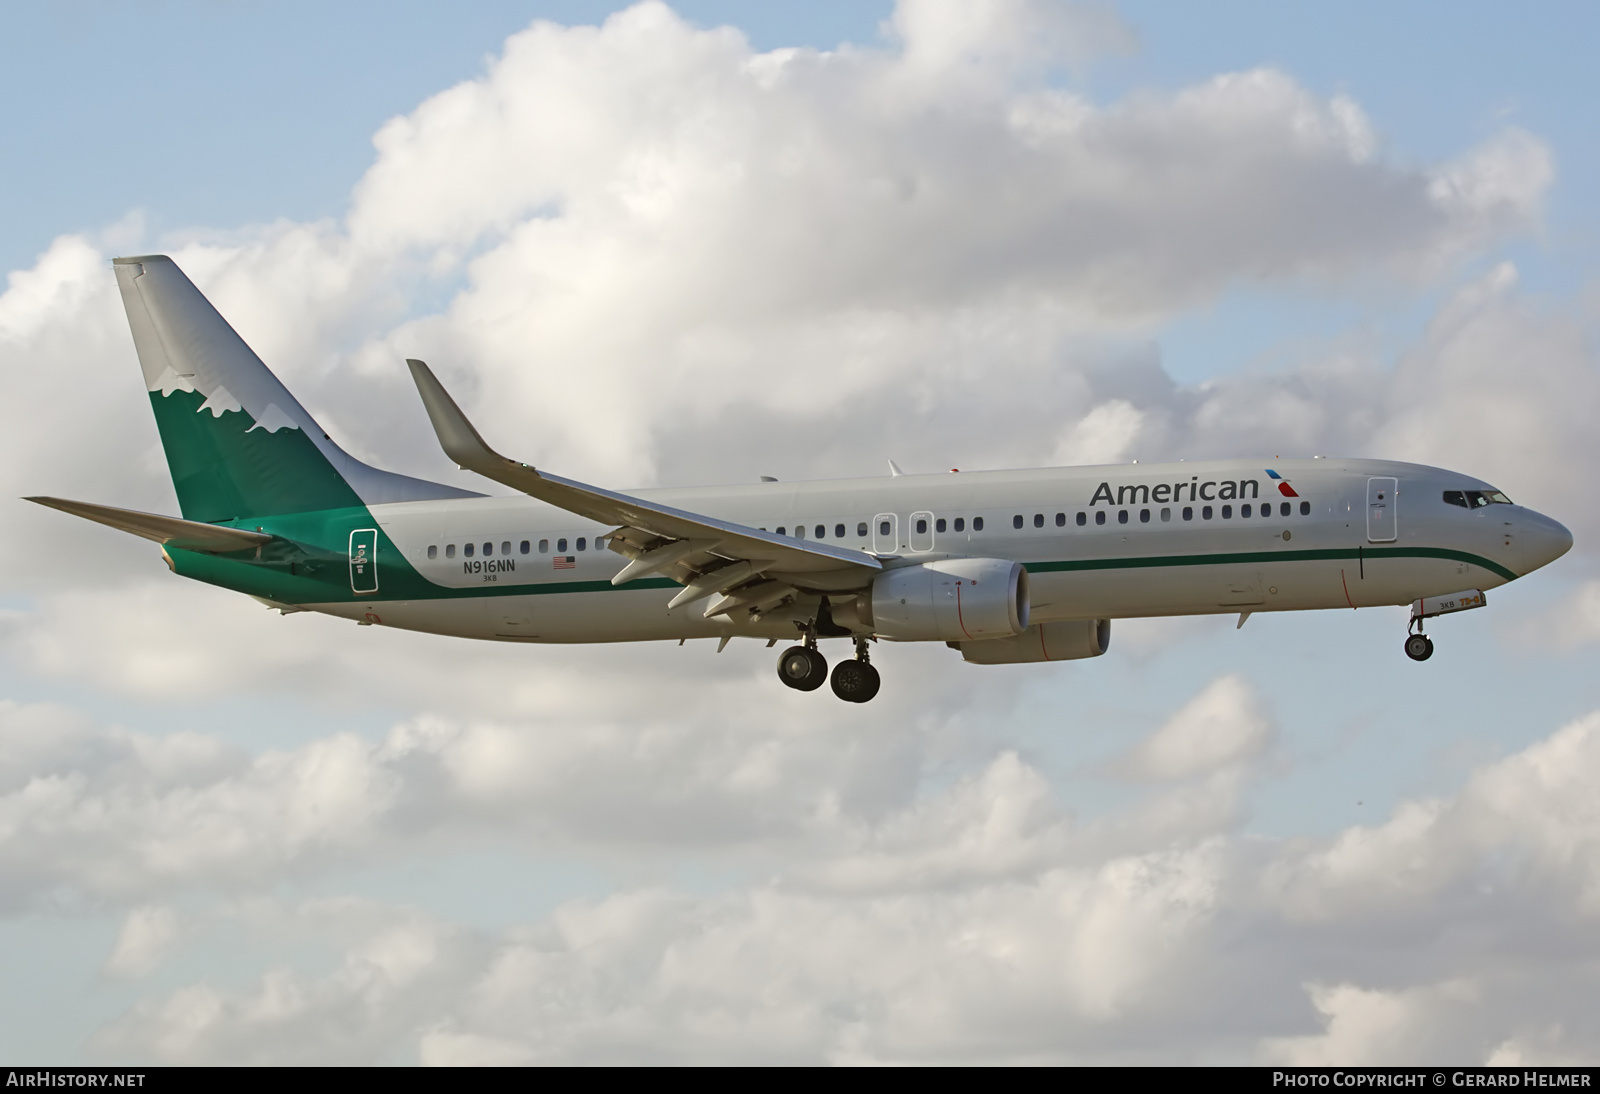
(1283, 484)
(1193, 490)
(1211, 490)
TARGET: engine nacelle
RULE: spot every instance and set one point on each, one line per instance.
(952, 600)
(1042, 642)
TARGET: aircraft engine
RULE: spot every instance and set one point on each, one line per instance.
(954, 600)
(1042, 642)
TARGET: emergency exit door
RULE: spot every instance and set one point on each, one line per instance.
(1381, 494)
(886, 534)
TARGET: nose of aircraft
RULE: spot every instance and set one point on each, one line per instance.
(1543, 540)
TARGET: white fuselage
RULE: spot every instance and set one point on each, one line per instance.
(1152, 551)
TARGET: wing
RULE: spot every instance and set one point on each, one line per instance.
(752, 569)
(167, 531)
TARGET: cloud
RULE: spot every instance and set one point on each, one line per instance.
(978, 922)
(1374, 1028)
(383, 984)
(1223, 725)
(1574, 621)
(643, 233)
(149, 934)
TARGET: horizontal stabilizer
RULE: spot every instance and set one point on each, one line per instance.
(167, 531)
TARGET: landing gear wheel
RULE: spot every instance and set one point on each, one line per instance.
(802, 669)
(855, 681)
(1419, 647)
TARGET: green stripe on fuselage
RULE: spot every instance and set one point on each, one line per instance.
(1334, 554)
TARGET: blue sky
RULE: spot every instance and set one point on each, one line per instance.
(652, 810)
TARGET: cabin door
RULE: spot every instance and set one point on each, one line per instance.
(1381, 495)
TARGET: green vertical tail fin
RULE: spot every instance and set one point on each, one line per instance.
(238, 443)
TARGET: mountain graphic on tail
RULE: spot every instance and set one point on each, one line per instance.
(238, 444)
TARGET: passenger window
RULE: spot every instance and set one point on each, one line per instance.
(883, 527)
(1038, 520)
(544, 546)
(433, 551)
(1144, 516)
(821, 531)
(1283, 510)
(861, 529)
(1205, 512)
(1061, 520)
(466, 549)
(488, 549)
(525, 546)
(838, 531)
(977, 524)
(1100, 516)
(961, 524)
(449, 550)
(1188, 512)
(561, 546)
(782, 531)
(1016, 521)
(1166, 514)
(1244, 510)
(1083, 518)
(799, 531)
(1305, 509)
(583, 544)
(938, 525)
(1227, 512)
(922, 526)
(1122, 516)
(505, 548)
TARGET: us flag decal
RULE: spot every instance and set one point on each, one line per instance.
(564, 562)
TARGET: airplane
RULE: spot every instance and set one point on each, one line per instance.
(1006, 567)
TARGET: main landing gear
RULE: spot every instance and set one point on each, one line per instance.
(804, 669)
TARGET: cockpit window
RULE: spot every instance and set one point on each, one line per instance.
(1475, 499)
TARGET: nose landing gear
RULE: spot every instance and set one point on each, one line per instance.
(1419, 647)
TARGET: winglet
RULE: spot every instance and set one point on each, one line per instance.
(894, 470)
(460, 441)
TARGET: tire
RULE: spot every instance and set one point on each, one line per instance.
(1419, 647)
(802, 669)
(855, 681)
